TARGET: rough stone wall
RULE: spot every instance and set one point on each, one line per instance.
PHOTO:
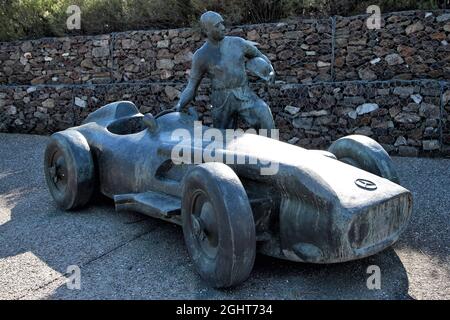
(39, 110)
(404, 117)
(295, 49)
(335, 78)
(299, 50)
(56, 61)
(409, 45)
(445, 116)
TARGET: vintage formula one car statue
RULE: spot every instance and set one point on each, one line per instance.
(320, 207)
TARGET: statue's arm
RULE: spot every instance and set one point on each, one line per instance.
(195, 78)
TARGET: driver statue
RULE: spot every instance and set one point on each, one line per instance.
(224, 60)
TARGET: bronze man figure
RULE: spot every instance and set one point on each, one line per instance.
(223, 59)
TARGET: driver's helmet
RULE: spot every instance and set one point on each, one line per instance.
(260, 68)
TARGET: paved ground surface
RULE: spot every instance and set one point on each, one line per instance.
(129, 256)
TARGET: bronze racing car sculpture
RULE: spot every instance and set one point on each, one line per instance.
(320, 207)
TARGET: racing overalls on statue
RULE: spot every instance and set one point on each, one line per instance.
(228, 103)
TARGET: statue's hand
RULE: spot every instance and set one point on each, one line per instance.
(193, 113)
(271, 78)
(177, 108)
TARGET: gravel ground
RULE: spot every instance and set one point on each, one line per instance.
(130, 256)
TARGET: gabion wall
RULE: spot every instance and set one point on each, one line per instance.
(335, 77)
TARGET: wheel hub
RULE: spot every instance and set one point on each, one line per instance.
(197, 227)
(57, 170)
(204, 226)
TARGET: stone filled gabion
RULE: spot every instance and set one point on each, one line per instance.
(335, 77)
(409, 45)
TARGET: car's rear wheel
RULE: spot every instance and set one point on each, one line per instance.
(365, 153)
(218, 224)
(69, 169)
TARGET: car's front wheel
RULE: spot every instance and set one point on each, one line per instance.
(69, 169)
(365, 153)
(218, 224)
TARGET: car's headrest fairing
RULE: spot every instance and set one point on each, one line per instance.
(112, 111)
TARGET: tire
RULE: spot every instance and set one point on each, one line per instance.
(218, 225)
(365, 153)
(69, 169)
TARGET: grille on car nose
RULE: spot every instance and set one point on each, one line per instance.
(380, 222)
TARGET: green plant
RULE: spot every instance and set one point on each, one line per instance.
(31, 18)
(20, 19)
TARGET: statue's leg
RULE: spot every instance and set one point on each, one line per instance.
(223, 117)
(258, 115)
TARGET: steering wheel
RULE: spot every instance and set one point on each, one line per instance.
(164, 112)
(190, 111)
